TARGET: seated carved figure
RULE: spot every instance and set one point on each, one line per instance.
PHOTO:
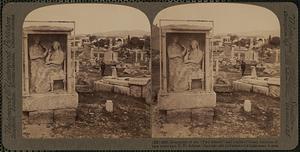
(191, 67)
(52, 70)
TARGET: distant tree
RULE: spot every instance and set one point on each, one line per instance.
(275, 41)
(134, 42)
(92, 38)
(233, 37)
(147, 42)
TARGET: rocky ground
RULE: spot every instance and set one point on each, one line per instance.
(130, 119)
(229, 121)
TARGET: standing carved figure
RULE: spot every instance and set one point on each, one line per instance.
(37, 54)
(175, 55)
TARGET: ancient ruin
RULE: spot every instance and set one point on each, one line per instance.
(48, 75)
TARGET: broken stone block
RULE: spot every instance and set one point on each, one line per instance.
(274, 90)
(122, 90)
(181, 116)
(261, 89)
(118, 82)
(65, 116)
(202, 116)
(136, 90)
(247, 105)
(222, 88)
(240, 86)
(100, 86)
(109, 106)
(41, 117)
(258, 82)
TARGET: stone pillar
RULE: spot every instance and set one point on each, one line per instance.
(26, 65)
(277, 56)
(114, 71)
(69, 67)
(92, 53)
(239, 55)
(142, 56)
(77, 66)
(136, 56)
(164, 82)
(253, 71)
(217, 66)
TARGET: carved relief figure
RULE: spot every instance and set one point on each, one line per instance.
(175, 55)
(53, 66)
(37, 54)
(191, 66)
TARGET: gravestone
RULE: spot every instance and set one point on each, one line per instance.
(48, 85)
(185, 85)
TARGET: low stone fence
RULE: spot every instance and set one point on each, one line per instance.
(136, 87)
(263, 85)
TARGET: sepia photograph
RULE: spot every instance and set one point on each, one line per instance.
(86, 72)
(215, 74)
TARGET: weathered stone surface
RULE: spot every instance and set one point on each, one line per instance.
(261, 89)
(139, 81)
(179, 116)
(118, 82)
(247, 105)
(274, 90)
(240, 86)
(187, 100)
(50, 101)
(136, 90)
(65, 116)
(122, 90)
(255, 82)
(146, 90)
(202, 116)
(101, 86)
(222, 88)
(41, 117)
(274, 81)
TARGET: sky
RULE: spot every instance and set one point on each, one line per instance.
(228, 18)
(96, 18)
(93, 18)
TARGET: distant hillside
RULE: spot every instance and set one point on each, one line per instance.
(138, 33)
(255, 33)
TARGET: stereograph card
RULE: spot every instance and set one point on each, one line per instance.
(139, 75)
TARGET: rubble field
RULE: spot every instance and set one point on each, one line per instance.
(230, 119)
(130, 119)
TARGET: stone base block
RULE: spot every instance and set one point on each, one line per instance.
(242, 86)
(202, 116)
(100, 86)
(50, 101)
(136, 90)
(124, 83)
(274, 90)
(186, 100)
(222, 88)
(65, 116)
(179, 116)
(41, 117)
(261, 90)
(255, 82)
(122, 90)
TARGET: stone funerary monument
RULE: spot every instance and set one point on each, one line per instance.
(186, 66)
(49, 94)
